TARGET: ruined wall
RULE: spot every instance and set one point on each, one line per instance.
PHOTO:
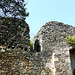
(51, 54)
(52, 40)
(15, 59)
(14, 33)
(14, 46)
(54, 33)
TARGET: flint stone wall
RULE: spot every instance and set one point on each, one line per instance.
(54, 47)
(14, 33)
(14, 46)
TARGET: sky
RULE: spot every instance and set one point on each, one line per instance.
(42, 11)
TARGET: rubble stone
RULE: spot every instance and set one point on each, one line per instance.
(54, 48)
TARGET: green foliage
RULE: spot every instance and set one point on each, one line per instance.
(71, 40)
(14, 8)
(6, 20)
(31, 44)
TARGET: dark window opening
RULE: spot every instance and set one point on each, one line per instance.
(37, 46)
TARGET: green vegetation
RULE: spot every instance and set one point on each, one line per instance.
(71, 40)
(31, 44)
(6, 20)
(14, 8)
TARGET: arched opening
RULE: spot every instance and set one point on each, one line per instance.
(72, 58)
(37, 47)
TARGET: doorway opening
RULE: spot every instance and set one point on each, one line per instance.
(72, 58)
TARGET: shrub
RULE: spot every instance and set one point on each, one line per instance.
(31, 44)
(71, 40)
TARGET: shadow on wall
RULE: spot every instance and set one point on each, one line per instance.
(37, 46)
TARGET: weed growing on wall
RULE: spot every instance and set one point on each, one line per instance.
(31, 44)
(71, 40)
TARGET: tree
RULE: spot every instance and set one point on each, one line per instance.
(71, 40)
(14, 8)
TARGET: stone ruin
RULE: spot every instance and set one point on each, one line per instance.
(57, 56)
(51, 55)
(14, 46)
(14, 33)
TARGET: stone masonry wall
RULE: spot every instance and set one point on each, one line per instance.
(52, 40)
(50, 57)
(53, 33)
(14, 47)
(14, 33)
(15, 59)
